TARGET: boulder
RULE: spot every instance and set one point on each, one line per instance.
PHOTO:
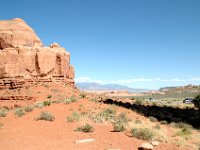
(146, 146)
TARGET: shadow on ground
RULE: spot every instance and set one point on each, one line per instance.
(169, 114)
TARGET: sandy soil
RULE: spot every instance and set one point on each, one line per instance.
(24, 133)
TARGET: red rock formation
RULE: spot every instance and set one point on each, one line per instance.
(16, 32)
(23, 56)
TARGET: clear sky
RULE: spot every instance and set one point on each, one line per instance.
(138, 43)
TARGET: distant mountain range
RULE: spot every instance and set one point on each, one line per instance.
(86, 86)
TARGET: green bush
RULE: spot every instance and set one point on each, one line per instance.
(82, 95)
(73, 99)
(49, 96)
(118, 126)
(184, 132)
(45, 116)
(197, 101)
(3, 112)
(138, 102)
(39, 105)
(28, 108)
(108, 114)
(56, 101)
(73, 117)
(46, 103)
(142, 133)
(120, 123)
(85, 128)
(19, 112)
(67, 101)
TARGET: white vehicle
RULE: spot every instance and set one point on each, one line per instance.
(188, 101)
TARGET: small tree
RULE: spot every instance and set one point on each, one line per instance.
(197, 101)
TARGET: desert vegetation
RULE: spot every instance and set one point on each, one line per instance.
(45, 116)
(85, 128)
(142, 133)
(3, 112)
(73, 117)
(136, 120)
(28, 108)
(197, 101)
(19, 112)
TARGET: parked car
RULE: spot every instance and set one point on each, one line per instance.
(188, 101)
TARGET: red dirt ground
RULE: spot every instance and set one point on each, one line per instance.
(24, 133)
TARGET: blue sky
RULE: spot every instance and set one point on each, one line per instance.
(138, 43)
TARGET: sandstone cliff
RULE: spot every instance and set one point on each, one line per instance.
(23, 56)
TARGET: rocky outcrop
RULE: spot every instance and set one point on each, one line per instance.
(16, 32)
(23, 56)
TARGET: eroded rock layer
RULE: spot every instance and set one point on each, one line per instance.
(23, 56)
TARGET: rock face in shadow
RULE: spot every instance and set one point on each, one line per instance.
(22, 55)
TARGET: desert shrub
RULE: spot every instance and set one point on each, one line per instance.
(82, 95)
(122, 117)
(19, 112)
(118, 126)
(85, 128)
(49, 96)
(73, 117)
(45, 116)
(56, 101)
(184, 132)
(84, 113)
(39, 105)
(67, 101)
(97, 118)
(73, 99)
(107, 114)
(28, 108)
(3, 112)
(138, 121)
(196, 101)
(164, 122)
(181, 125)
(46, 103)
(157, 126)
(153, 119)
(120, 122)
(138, 102)
(142, 133)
